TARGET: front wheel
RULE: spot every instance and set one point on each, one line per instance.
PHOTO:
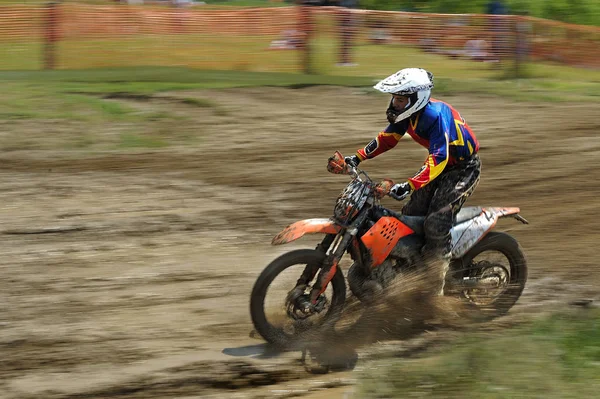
(500, 268)
(270, 294)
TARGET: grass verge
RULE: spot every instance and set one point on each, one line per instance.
(98, 109)
(555, 357)
(543, 85)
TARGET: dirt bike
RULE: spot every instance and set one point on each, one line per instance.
(488, 269)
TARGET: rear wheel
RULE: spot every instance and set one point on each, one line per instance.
(498, 264)
(269, 304)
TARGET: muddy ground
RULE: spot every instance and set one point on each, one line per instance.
(127, 273)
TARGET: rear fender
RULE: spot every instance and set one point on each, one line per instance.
(466, 234)
(307, 226)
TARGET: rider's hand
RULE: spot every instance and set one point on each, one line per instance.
(353, 161)
(400, 191)
(335, 164)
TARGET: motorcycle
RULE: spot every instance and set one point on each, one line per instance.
(488, 269)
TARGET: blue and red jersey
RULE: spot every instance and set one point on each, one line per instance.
(437, 127)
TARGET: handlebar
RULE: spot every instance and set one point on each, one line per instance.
(356, 172)
(337, 164)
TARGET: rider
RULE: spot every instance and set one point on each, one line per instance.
(451, 171)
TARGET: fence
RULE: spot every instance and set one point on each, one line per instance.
(292, 39)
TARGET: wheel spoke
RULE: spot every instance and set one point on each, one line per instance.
(492, 271)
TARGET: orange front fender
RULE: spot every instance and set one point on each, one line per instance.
(307, 226)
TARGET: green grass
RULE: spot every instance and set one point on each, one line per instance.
(101, 107)
(108, 109)
(24, 100)
(111, 108)
(78, 94)
(556, 357)
(551, 81)
(115, 109)
(148, 80)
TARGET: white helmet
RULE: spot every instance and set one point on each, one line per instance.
(416, 83)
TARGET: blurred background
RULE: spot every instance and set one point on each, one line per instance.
(152, 149)
(280, 36)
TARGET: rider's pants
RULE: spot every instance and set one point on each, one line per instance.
(440, 200)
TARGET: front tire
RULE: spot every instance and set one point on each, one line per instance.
(511, 273)
(274, 334)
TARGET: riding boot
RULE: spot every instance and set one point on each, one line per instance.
(437, 255)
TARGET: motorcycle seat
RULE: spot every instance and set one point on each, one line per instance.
(416, 222)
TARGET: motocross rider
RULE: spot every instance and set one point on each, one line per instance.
(451, 171)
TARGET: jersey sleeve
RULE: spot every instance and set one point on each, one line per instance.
(385, 140)
(438, 156)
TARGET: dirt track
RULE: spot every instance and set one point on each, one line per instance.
(128, 275)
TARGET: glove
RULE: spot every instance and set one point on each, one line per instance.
(400, 191)
(382, 188)
(336, 165)
(353, 161)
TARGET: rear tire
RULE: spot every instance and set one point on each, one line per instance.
(276, 335)
(509, 247)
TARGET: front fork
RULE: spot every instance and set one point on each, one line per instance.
(311, 269)
(329, 265)
(299, 304)
(334, 247)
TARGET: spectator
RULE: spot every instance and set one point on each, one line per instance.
(498, 27)
(524, 30)
(347, 27)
